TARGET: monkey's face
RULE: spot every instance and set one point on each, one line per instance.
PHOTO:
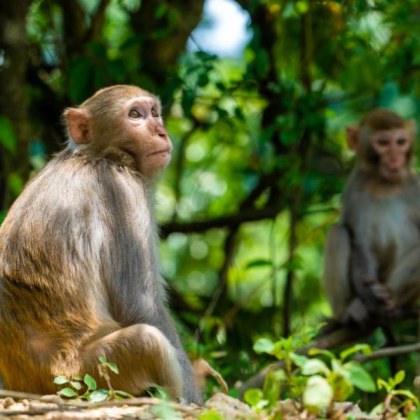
(144, 136)
(392, 148)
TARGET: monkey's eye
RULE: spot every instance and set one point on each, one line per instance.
(155, 112)
(383, 142)
(402, 141)
(134, 113)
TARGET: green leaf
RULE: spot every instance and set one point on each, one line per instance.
(253, 396)
(360, 377)
(358, 348)
(99, 395)
(76, 385)
(123, 394)
(103, 359)
(382, 384)
(327, 353)
(315, 366)
(298, 359)
(61, 380)
(259, 263)
(414, 415)
(317, 394)
(399, 377)
(211, 414)
(113, 367)
(263, 345)
(7, 135)
(90, 382)
(68, 393)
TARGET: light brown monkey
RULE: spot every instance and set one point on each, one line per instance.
(79, 270)
(372, 258)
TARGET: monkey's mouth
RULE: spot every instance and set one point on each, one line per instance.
(160, 152)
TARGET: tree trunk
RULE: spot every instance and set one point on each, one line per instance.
(13, 105)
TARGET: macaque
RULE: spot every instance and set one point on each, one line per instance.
(372, 257)
(79, 270)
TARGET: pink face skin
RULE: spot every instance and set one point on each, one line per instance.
(392, 147)
(148, 140)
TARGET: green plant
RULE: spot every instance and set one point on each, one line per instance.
(86, 388)
(397, 400)
(315, 382)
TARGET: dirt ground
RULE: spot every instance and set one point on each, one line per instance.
(218, 407)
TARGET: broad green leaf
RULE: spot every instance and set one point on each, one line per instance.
(360, 377)
(68, 393)
(263, 345)
(99, 395)
(317, 394)
(253, 396)
(90, 382)
(399, 377)
(211, 414)
(113, 367)
(76, 385)
(315, 366)
(60, 380)
(298, 359)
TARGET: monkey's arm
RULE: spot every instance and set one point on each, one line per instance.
(374, 295)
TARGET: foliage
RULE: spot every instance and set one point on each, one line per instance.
(317, 382)
(86, 388)
(398, 400)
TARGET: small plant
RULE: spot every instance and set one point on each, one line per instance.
(312, 381)
(397, 400)
(86, 388)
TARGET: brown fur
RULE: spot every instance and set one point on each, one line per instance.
(79, 269)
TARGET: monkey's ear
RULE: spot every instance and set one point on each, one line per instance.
(78, 125)
(352, 135)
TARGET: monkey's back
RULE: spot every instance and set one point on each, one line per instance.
(79, 233)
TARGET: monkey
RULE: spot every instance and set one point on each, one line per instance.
(79, 269)
(372, 256)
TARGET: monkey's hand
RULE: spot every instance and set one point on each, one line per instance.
(378, 299)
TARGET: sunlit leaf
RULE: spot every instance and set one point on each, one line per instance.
(263, 345)
(317, 394)
(360, 378)
(68, 393)
(90, 382)
(99, 395)
(60, 380)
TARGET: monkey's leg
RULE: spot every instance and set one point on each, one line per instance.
(404, 279)
(144, 357)
(336, 271)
